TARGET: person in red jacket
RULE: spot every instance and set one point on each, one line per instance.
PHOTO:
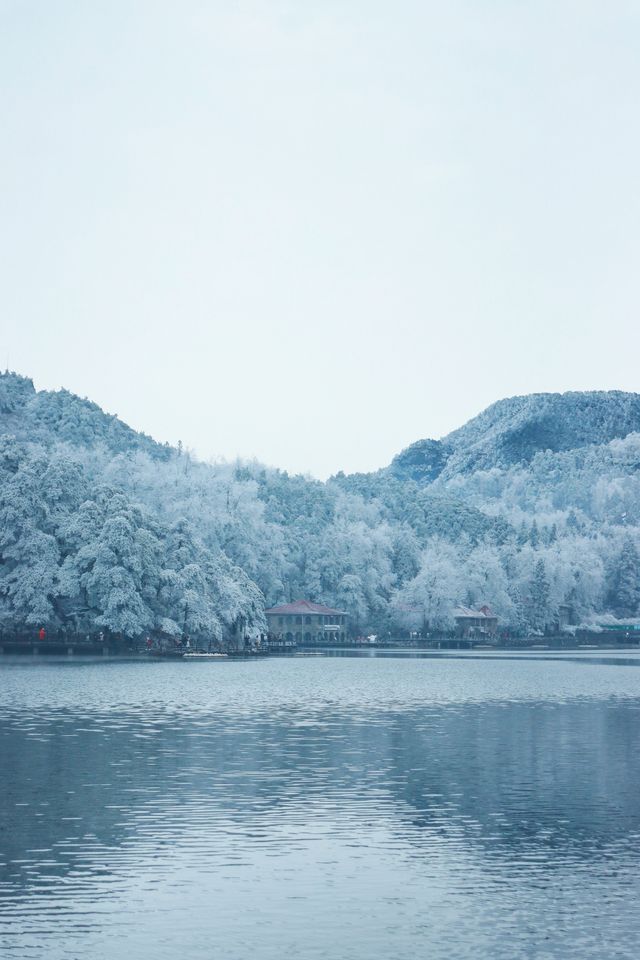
(42, 633)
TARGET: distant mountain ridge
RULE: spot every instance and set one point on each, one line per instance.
(511, 431)
(532, 508)
(514, 430)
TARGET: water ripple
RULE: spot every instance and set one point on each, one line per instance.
(320, 808)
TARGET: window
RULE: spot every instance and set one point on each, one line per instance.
(307, 619)
(298, 619)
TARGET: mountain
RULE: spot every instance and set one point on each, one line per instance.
(513, 431)
(532, 507)
(59, 416)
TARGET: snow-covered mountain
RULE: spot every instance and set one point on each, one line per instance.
(514, 430)
(50, 416)
(532, 507)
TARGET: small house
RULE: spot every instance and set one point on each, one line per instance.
(475, 623)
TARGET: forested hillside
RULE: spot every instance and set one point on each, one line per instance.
(514, 431)
(532, 506)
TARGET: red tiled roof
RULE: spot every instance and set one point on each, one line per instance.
(304, 606)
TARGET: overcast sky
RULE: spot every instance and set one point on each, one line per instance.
(314, 232)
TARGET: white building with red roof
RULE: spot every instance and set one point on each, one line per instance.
(307, 622)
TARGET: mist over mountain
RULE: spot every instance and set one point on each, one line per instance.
(532, 507)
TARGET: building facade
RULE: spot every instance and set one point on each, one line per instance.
(475, 623)
(307, 622)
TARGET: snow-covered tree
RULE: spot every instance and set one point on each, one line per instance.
(437, 586)
(539, 611)
(624, 591)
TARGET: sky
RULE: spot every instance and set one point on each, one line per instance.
(315, 232)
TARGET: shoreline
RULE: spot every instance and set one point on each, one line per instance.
(373, 651)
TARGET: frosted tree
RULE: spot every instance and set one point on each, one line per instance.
(534, 536)
(485, 582)
(112, 570)
(29, 588)
(29, 555)
(350, 596)
(437, 587)
(539, 596)
(625, 581)
(575, 571)
(186, 599)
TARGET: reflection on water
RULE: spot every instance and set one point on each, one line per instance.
(372, 807)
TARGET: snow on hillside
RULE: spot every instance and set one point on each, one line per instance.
(532, 508)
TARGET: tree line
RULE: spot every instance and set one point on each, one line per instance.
(102, 529)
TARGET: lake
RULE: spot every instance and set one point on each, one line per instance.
(355, 806)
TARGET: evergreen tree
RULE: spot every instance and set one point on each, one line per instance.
(573, 524)
(534, 536)
(539, 597)
(625, 592)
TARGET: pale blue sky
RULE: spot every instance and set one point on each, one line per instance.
(315, 232)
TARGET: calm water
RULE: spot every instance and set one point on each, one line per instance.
(321, 807)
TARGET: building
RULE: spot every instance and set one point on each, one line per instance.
(565, 616)
(475, 623)
(307, 622)
(627, 631)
